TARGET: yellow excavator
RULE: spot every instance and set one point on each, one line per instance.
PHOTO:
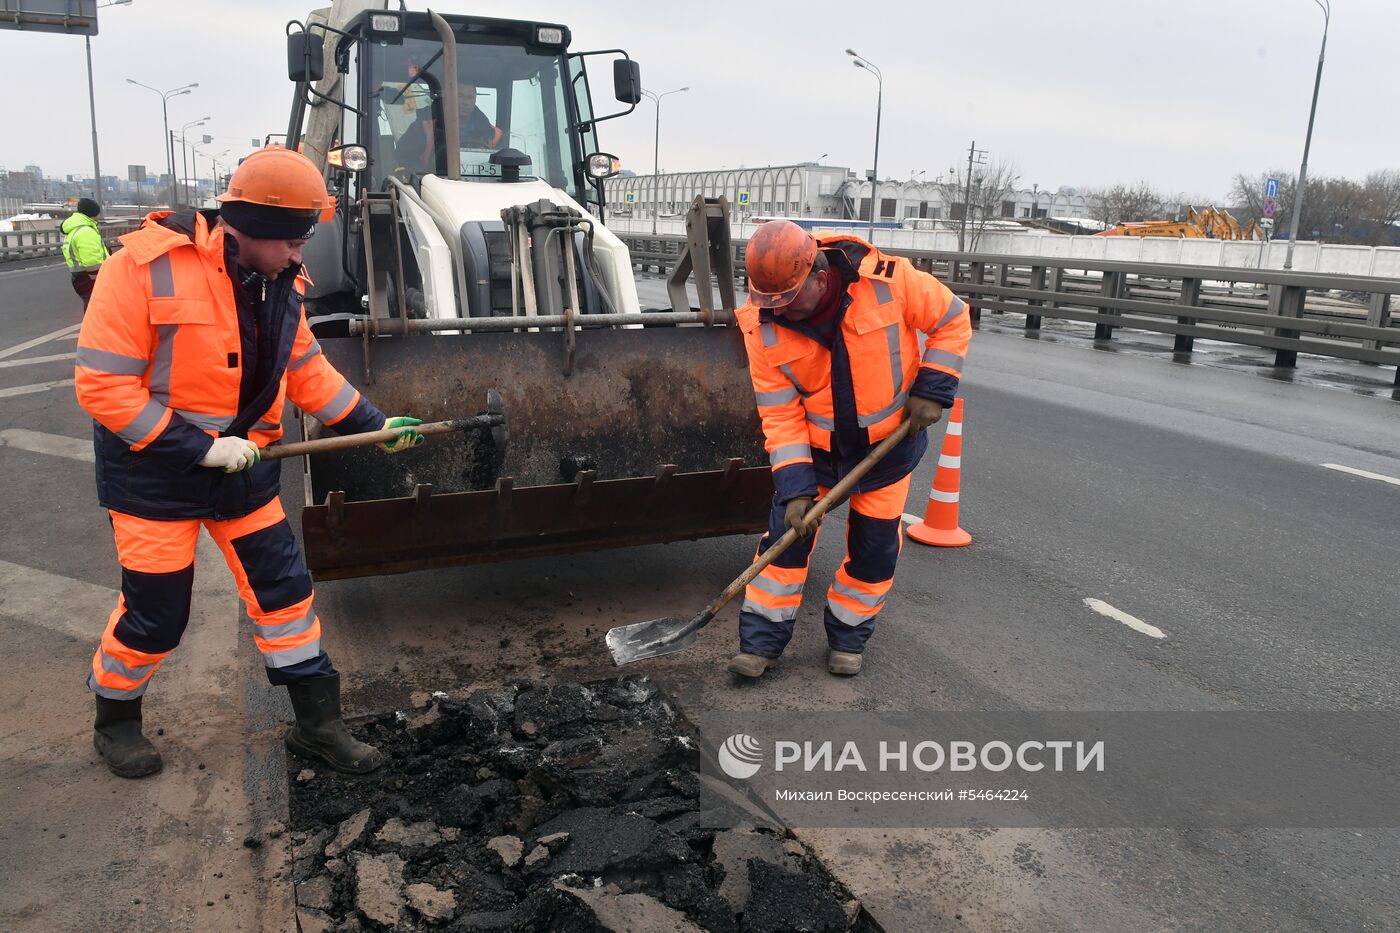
(1209, 224)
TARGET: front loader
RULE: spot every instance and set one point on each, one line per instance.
(468, 253)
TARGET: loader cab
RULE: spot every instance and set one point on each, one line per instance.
(523, 102)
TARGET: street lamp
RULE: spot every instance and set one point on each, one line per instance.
(879, 105)
(1326, 7)
(656, 153)
(213, 166)
(184, 153)
(92, 110)
(167, 143)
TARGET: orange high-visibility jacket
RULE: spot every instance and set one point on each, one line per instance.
(160, 369)
(856, 388)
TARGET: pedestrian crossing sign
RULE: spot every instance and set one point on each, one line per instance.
(743, 197)
(630, 197)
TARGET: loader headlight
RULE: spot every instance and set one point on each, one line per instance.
(350, 158)
(385, 24)
(549, 35)
(603, 165)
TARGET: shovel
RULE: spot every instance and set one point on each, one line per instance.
(493, 420)
(659, 637)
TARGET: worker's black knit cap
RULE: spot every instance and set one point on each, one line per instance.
(89, 207)
(268, 222)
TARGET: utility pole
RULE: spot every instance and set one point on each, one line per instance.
(975, 156)
(1326, 7)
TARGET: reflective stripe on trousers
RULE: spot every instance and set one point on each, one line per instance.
(856, 595)
(157, 559)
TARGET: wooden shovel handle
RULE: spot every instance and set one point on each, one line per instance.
(345, 442)
(834, 497)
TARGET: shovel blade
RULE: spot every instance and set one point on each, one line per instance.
(653, 639)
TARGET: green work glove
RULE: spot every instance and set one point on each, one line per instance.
(406, 439)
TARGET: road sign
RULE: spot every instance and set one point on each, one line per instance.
(1271, 189)
(136, 173)
(630, 197)
(75, 18)
(743, 197)
(1270, 205)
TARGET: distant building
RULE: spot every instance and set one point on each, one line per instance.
(811, 190)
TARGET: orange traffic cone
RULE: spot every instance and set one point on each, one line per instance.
(940, 524)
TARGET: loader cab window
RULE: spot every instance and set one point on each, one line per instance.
(508, 97)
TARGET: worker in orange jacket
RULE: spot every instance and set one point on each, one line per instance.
(194, 338)
(832, 330)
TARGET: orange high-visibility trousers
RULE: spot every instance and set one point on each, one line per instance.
(856, 595)
(157, 560)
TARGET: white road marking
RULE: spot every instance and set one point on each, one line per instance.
(27, 269)
(53, 444)
(1118, 615)
(1364, 474)
(21, 347)
(30, 360)
(36, 387)
(62, 604)
(913, 519)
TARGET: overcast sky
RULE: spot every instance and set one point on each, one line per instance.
(1183, 93)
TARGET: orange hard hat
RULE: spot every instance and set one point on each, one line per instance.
(778, 258)
(280, 178)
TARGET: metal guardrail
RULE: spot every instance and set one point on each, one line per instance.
(1287, 312)
(32, 244)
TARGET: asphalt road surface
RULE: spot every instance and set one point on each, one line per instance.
(1192, 497)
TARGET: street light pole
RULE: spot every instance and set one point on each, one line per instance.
(1326, 7)
(879, 106)
(184, 154)
(92, 111)
(656, 153)
(168, 141)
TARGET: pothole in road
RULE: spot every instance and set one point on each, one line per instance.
(571, 807)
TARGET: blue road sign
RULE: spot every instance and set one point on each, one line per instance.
(1271, 188)
(743, 197)
(630, 197)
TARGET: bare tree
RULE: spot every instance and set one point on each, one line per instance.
(982, 201)
(1127, 203)
(1336, 210)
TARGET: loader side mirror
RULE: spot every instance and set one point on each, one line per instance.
(305, 57)
(627, 81)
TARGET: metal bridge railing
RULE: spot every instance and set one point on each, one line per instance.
(32, 244)
(1339, 316)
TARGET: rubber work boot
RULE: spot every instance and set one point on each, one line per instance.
(320, 732)
(844, 662)
(116, 734)
(749, 665)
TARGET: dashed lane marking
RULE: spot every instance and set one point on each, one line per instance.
(53, 444)
(30, 360)
(913, 519)
(36, 387)
(1118, 615)
(21, 347)
(1364, 474)
(62, 604)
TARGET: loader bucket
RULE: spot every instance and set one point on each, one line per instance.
(653, 437)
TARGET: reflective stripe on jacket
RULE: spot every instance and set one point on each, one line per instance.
(852, 394)
(159, 367)
(83, 248)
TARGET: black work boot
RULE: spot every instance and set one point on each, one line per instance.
(117, 737)
(320, 732)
